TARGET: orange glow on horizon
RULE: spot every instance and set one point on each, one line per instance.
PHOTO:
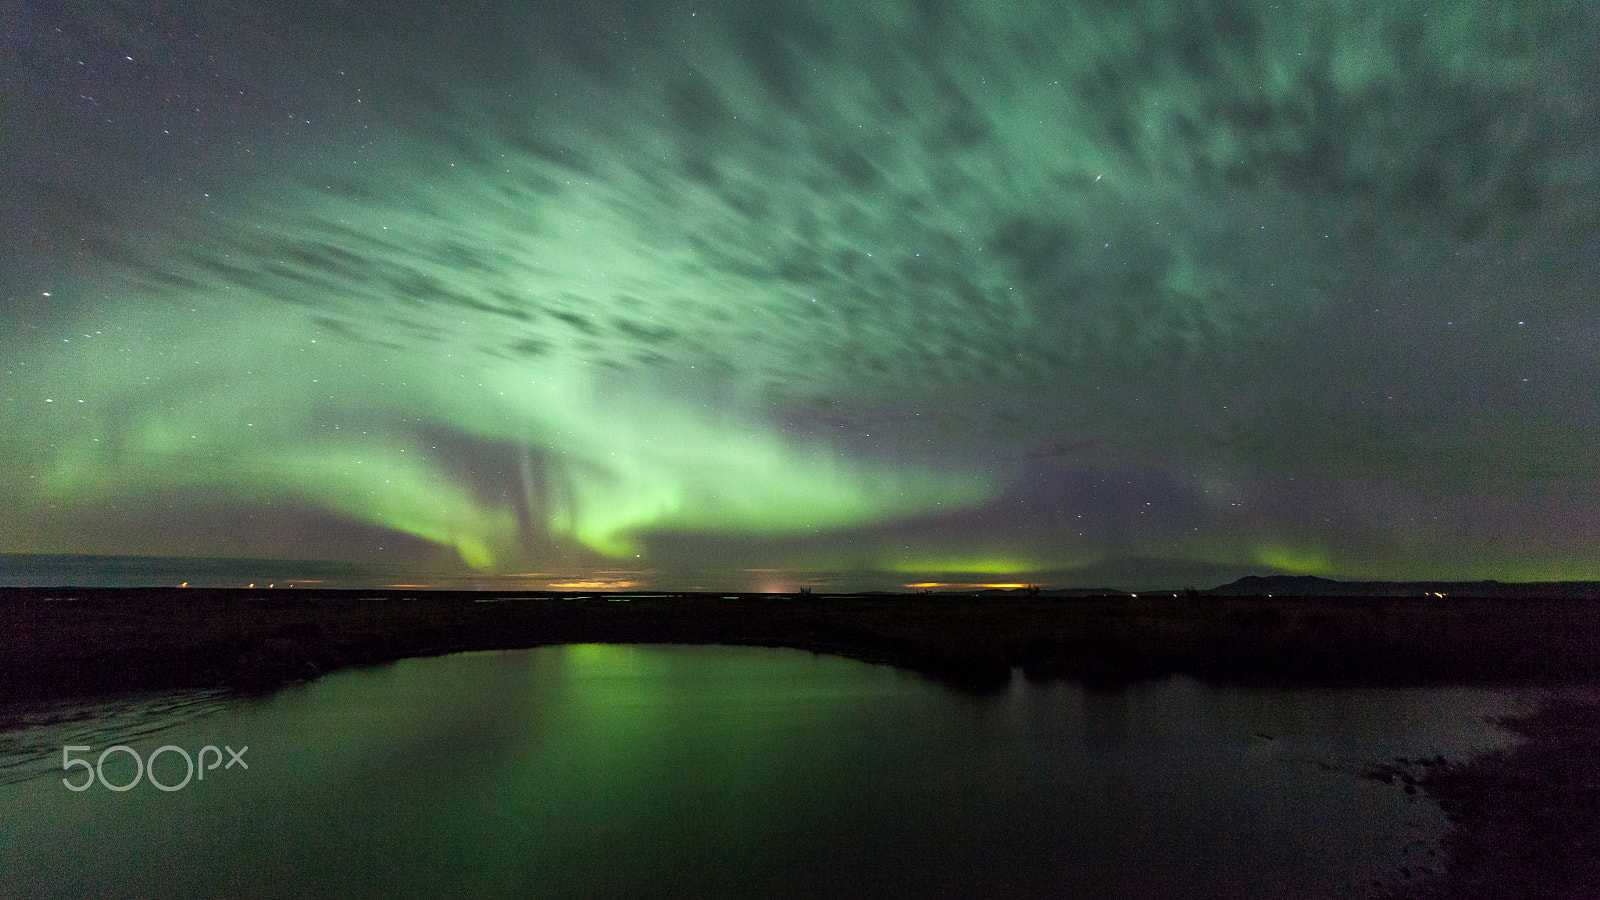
(409, 585)
(966, 586)
(593, 585)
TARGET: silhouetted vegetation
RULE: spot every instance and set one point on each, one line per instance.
(62, 643)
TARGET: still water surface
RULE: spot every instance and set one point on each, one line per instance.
(603, 770)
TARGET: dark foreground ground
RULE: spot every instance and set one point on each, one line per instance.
(1526, 822)
(66, 643)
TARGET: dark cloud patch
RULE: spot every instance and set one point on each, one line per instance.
(577, 322)
(338, 328)
(644, 333)
(783, 42)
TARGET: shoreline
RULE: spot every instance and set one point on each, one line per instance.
(1523, 821)
(73, 643)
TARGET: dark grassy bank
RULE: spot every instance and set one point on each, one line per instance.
(1525, 822)
(75, 643)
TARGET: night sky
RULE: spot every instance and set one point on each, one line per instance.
(755, 295)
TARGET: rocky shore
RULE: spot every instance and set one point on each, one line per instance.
(1524, 822)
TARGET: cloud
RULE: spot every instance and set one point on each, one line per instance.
(612, 275)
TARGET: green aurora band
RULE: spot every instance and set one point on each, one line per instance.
(825, 287)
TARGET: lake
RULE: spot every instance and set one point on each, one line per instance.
(663, 770)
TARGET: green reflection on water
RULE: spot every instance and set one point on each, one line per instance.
(599, 770)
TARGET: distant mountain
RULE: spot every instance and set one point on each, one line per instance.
(1312, 586)
(1283, 585)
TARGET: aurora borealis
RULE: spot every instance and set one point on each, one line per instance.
(759, 294)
